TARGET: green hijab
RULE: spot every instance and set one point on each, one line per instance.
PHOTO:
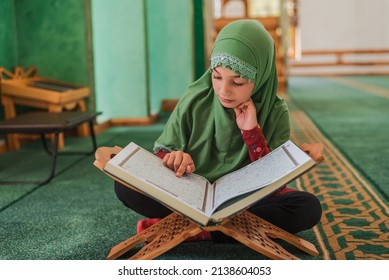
(202, 127)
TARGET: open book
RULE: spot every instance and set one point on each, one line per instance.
(196, 198)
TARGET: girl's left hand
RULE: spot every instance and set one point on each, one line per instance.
(246, 115)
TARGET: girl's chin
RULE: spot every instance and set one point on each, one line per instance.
(228, 106)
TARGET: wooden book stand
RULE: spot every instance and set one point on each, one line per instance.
(245, 227)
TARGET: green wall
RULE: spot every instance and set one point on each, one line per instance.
(51, 36)
(170, 49)
(8, 44)
(199, 42)
(134, 72)
(120, 58)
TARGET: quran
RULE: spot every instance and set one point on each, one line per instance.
(196, 198)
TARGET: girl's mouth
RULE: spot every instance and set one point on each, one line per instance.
(227, 101)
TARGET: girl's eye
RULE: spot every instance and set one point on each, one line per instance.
(216, 77)
(237, 84)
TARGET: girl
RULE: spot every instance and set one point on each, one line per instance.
(226, 119)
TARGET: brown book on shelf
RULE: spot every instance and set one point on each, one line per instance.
(194, 197)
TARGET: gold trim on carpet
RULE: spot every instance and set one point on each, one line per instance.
(355, 219)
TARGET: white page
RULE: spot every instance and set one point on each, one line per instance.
(189, 188)
(267, 169)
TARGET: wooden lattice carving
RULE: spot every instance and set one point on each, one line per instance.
(259, 235)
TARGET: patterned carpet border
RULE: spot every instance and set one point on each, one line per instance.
(355, 220)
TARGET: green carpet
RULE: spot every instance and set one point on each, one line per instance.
(73, 216)
(354, 119)
(77, 215)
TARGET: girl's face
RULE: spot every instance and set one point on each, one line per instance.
(230, 88)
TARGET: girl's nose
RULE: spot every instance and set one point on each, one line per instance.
(224, 89)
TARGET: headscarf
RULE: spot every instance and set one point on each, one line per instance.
(200, 126)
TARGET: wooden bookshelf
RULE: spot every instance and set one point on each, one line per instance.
(26, 88)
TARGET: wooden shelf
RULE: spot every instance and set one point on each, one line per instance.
(20, 89)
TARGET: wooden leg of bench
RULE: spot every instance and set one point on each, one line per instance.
(10, 112)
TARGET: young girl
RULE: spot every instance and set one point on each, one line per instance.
(226, 119)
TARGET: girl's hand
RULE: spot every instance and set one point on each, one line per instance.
(246, 115)
(180, 162)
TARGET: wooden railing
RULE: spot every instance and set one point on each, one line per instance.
(375, 59)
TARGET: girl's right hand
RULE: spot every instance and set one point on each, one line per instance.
(180, 162)
(246, 115)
